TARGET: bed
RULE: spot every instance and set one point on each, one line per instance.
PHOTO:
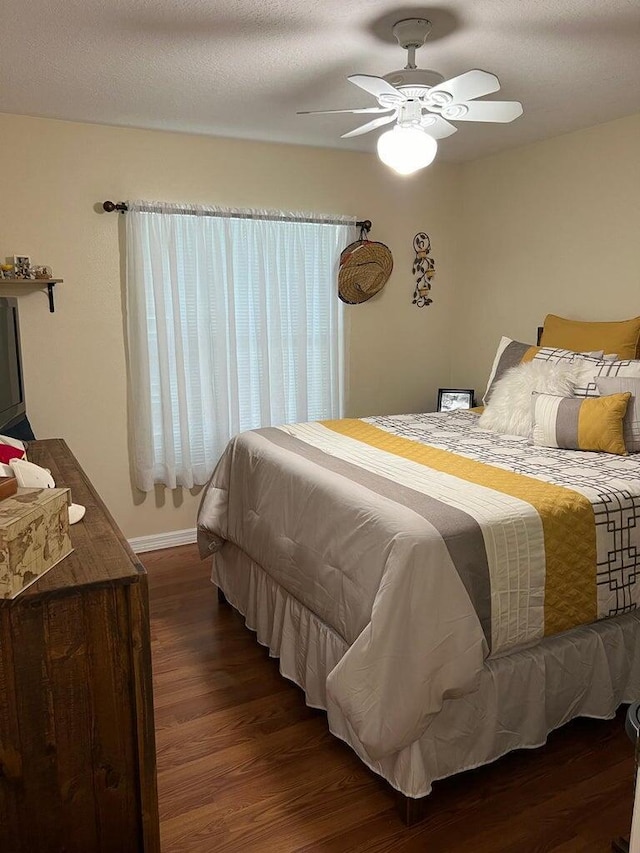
(446, 593)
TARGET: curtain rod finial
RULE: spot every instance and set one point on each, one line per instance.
(110, 206)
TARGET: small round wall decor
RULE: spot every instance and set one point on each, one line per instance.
(424, 269)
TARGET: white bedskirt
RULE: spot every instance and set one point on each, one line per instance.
(523, 695)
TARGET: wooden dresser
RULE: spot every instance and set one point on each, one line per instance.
(77, 747)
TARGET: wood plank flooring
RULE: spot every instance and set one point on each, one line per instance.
(244, 765)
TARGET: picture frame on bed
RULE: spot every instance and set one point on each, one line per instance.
(450, 399)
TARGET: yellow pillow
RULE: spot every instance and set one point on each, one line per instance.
(573, 423)
(622, 338)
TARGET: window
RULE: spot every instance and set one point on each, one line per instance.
(233, 324)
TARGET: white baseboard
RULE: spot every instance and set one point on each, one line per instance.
(140, 544)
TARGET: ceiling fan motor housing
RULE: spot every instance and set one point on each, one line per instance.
(419, 78)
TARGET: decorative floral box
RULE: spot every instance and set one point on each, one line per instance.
(34, 536)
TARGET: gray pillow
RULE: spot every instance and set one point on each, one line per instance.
(617, 385)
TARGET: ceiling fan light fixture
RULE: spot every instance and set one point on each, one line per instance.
(423, 104)
(406, 149)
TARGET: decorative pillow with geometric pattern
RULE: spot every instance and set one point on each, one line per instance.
(511, 353)
(618, 385)
(592, 368)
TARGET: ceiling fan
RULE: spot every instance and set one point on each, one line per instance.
(423, 104)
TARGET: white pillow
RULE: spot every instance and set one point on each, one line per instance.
(509, 409)
(617, 385)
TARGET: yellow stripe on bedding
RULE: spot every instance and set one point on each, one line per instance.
(570, 550)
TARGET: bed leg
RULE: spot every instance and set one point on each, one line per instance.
(411, 811)
(221, 596)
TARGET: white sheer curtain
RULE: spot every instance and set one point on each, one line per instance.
(233, 323)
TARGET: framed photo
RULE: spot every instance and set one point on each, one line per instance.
(450, 399)
(21, 266)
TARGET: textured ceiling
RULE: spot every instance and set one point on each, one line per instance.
(242, 69)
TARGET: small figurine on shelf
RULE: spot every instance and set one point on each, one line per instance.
(23, 269)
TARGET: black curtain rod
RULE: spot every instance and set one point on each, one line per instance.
(364, 224)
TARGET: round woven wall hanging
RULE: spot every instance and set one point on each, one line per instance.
(365, 267)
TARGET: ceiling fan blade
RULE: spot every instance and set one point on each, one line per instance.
(501, 111)
(376, 86)
(330, 112)
(470, 85)
(370, 125)
(437, 127)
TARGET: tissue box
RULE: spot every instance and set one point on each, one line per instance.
(34, 536)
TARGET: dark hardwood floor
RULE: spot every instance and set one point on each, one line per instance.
(244, 765)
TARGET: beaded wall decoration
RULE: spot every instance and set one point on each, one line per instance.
(423, 270)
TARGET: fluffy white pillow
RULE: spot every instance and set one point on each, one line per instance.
(509, 409)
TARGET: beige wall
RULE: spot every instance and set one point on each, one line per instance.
(552, 227)
(54, 174)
